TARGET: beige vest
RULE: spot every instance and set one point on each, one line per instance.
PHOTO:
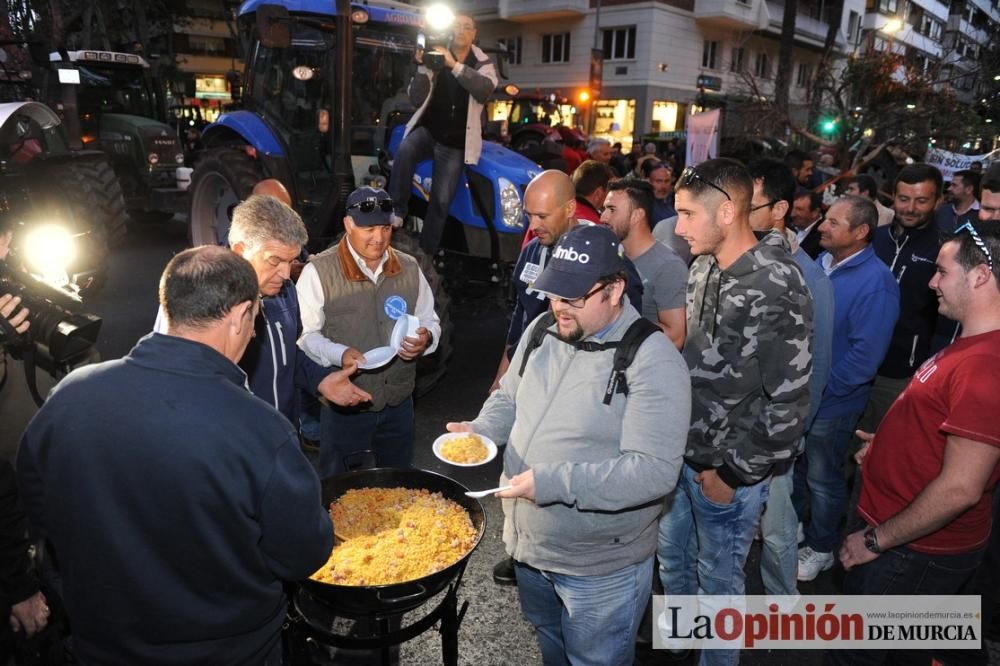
(357, 311)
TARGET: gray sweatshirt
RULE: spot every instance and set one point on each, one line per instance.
(601, 471)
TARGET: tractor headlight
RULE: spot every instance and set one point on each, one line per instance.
(48, 250)
(511, 208)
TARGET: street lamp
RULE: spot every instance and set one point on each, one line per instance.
(892, 26)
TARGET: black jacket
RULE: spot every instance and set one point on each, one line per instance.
(810, 244)
(910, 255)
(176, 503)
(17, 581)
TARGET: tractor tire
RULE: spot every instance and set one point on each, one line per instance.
(92, 191)
(89, 192)
(223, 178)
(430, 369)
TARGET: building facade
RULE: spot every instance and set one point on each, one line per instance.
(663, 59)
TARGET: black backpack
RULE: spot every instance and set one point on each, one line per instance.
(625, 349)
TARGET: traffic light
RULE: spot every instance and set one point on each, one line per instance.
(828, 125)
(583, 96)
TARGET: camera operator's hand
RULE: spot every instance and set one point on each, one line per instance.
(449, 59)
(16, 316)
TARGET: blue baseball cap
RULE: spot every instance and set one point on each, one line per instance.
(369, 207)
(583, 255)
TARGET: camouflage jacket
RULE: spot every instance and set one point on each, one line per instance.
(749, 349)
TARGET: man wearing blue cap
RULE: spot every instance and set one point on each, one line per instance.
(593, 445)
(350, 297)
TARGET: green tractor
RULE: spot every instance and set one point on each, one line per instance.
(110, 103)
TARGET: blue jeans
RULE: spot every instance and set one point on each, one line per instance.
(779, 526)
(418, 146)
(703, 545)
(820, 485)
(586, 619)
(904, 571)
(388, 432)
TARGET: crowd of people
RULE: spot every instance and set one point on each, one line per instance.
(692, 360)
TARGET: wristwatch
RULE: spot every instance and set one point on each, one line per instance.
(871, 541)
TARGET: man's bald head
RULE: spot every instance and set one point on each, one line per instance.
(556, 182)
(272, 187)
(550, 204)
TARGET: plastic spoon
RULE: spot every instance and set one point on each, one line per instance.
(483, 493)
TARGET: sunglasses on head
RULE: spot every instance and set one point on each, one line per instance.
(689, 175)
(978, 240)
(385, 205)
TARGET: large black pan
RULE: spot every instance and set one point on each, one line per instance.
(370, 599)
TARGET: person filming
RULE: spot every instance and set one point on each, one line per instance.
(449, 90)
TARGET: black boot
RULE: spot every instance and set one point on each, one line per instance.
(504, 572)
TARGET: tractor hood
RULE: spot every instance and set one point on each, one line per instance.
(507, 160)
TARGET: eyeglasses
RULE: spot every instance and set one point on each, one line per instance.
(754, 209)
(689, 175)
(577, 303)
(367, 206)
(980, 243)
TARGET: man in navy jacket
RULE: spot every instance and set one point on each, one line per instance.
(270, 235)
(909, 247)
(175, 501)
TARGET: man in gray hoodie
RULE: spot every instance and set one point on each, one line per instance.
(749, 350)
(590, 455)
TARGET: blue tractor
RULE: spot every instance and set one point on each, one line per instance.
(322, 111)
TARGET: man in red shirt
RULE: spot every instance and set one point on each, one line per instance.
(929, 471)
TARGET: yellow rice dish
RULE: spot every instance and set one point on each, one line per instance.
(467, 450)
(394, 535)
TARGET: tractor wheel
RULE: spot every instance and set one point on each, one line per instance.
(88, 191)
(91, 189)
(430, 369)
(223, 178)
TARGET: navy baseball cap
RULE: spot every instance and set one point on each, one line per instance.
(369, 207)
(583, 255)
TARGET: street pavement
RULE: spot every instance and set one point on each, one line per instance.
(493, 631)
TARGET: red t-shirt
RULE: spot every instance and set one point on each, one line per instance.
(955, 392)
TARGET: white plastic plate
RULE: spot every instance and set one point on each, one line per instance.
(406, 327)
(376, 358)
(491, 448)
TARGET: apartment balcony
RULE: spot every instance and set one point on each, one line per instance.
(541, 10)
(808, 30)
(958, 24)
(732, 14)
(906, 36)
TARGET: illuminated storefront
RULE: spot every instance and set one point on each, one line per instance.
(667, 116)
(615, 121)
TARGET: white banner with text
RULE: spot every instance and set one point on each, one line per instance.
(948, 163)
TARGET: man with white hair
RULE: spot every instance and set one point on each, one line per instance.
(270, 235)
(600, 150)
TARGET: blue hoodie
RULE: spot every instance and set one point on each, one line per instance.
(865, 309)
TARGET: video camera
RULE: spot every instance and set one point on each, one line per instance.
(440, 22)
(61, 334)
